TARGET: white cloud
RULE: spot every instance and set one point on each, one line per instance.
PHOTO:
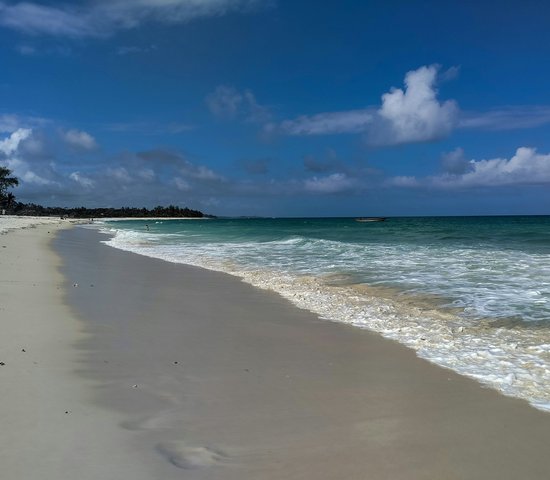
(414, 114)
(80, 140)
(146, 174)
(34, 18)
(199, 172)
(10, 155)
(181, 184)
(525, 167)
(405, 116)
(228, 102)
(335, 183)
(508, 118)
(9, 145)
(151, 178)
(9, 122)
(82, 180)
(353, 121)
(120, 174)
(102, 18)
(28, 176)
(403, 181)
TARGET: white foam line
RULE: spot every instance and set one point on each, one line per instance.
(514, 361)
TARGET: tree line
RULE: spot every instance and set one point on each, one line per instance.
(9, 204)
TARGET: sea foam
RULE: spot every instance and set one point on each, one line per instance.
(456, 307)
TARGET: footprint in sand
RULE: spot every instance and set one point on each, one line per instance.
(190, 458)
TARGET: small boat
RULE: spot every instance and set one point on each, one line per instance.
(370, 219)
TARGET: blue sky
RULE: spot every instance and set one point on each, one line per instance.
(278, 107)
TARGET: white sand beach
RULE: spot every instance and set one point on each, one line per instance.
(120, 366)
(50, 427)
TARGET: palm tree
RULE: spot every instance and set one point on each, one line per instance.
(6, 181)
(10, 200)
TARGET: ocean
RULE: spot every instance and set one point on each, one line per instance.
(471, 294)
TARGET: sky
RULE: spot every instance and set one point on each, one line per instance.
(279, 107)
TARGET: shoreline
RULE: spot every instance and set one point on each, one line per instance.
(167, 370)
(511, 360)
(223, 380)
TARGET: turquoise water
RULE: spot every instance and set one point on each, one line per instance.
(468, 293)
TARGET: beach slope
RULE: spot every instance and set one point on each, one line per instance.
(214, 379)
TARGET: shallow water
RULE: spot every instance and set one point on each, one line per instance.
(468, 293)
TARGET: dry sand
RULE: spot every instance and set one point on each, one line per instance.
(14, 222)
(171, 372)
(50, 428)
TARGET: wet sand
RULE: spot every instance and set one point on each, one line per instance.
(210, 378)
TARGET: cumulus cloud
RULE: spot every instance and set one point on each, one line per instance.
(414, 114)
(335, 183)
(525, 167)
(148, 178)
(229, 103)
(80, 140)
(455, 162)
(11, 155)
(104, 17)
(409, 115)
(10, 144)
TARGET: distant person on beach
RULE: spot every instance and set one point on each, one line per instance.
(147, 227)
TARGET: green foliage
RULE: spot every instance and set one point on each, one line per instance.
(7, 201)
(7, 181)
(83, 212)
